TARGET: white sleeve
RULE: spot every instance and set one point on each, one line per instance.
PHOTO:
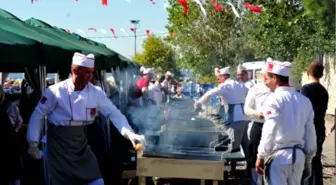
(249, 104)
(106, 108)
(310, 135)
(208, 95)
(44, 107)
(272, 117)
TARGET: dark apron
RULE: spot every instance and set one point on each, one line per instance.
(270, 159)
(229, 113)
(70, 159)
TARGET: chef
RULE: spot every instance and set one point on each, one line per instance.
(70, 105)
(141, 87)
(167, 85)
(242, 76)
(254, 101)
(232, 93)
(288, 140)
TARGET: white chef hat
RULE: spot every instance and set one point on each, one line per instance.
(277, 67)
(148, 71)
(142, 68)
(82, 60)
(222, 71)
(168, 73)
(240, 68)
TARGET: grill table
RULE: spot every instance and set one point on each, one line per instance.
(183, 163)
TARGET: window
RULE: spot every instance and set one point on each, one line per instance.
(259, 75)
(250, 74)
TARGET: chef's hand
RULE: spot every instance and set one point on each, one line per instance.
(34, 151)
(260, 164)
(136, 139)
(307, 172)
(260, 116)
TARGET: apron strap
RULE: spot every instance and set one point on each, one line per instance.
(228, 116)
(272, 156)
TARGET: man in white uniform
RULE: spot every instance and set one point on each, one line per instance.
(69, 106)
(242, 76)
(288, 140)
(232, 93)
(254, 101)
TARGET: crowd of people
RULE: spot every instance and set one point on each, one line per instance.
(280, 130)
(71, 106)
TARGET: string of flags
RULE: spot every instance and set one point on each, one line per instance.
(217, 7)
(112, 31)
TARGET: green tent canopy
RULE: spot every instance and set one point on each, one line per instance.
(124, 62)
(111, 62)
(101, 55)
(11, 48)
(51, 50)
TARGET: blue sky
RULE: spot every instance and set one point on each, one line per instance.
(72, 15)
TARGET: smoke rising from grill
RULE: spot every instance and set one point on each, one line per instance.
(171, 125)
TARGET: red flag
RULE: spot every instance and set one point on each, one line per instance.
(219, 7)
(147, 32)
(216, 6)
(94, 29)
(253, 8)
(112, 30)
(184, 4)
(104, 2)
(132, 30)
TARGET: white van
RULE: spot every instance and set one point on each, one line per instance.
(254, 69)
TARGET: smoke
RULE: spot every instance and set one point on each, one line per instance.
(167, 126)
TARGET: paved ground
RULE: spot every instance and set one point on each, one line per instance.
(328, 158)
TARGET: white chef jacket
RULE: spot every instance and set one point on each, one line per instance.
(155, 92)
(254, 101)
(249, 84)
(231, 92)
(65, 107)
(289, 120)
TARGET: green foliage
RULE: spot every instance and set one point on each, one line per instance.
(207, 79)
(291, 30)
(157, 54)
(205, 42)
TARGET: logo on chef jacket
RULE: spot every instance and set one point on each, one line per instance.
(43, 100)
(93, 112)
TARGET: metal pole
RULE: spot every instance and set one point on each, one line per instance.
(135, 37)
(135, 23)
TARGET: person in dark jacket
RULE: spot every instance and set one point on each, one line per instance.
(318, 96)
(11, 122)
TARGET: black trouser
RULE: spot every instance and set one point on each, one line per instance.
(255, 137)
(317, 173)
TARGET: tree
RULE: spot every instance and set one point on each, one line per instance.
(204, 43)
(157, 54)
(283, 31)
